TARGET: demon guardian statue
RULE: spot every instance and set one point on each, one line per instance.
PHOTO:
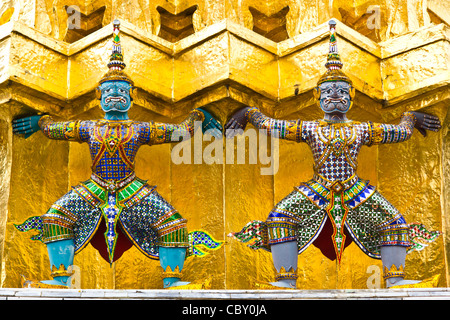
(114, 209)
(335, 207)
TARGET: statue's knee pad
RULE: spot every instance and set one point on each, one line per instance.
(281, 229)
(395, 234)
(56, 225)
(171, 230)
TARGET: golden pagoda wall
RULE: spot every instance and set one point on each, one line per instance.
(401, 65)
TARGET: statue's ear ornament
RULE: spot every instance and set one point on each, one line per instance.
(352, 92)
(98, 93)
(133, 92)
(316, 92)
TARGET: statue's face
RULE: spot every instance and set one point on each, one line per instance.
(335, 96)
(115, 96)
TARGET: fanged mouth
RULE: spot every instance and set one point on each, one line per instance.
(343, 101)
(115, 99)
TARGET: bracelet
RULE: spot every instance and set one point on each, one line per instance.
(199, 113)
(252, 110)
(409, 114)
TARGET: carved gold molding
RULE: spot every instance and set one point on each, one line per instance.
(218, 60)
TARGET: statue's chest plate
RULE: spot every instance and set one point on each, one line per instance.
(337, 140)
(335, 150)
(114, 145)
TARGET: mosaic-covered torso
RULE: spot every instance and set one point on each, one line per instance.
(335, 148)
(113, 144)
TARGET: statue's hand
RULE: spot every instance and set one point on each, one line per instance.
(26, 126)
(237, 123)
(425, 121)
(211, 125)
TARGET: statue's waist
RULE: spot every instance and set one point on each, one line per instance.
(345, 184)
(127, 192)
(113, 184)
(320, 190)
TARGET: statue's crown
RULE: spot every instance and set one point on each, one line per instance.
(116, 64)
(334, 63)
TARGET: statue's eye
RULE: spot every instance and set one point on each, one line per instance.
(121, 91)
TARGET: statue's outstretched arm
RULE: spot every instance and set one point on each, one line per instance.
(166, 132)
(58, 130)
(381, 133)
(283, 129)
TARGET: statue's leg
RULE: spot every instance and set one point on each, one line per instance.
(173, 243)
(57, 233)
(381, 231)
(393, 254)
(285, 259)
(172, 238)
(172, 257)
(393, 259)
(282, 239)
(394, 242)
(61, 255)
(159, 231)
(291, 224)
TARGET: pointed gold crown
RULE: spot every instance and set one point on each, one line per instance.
(290, 274)
(169, 273)
(116, 64)
(334, 63)
(61, 271)
(393, 272)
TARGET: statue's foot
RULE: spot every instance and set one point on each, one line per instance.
(277, 285)
(402, 283)
(177, 284)
(195, 285)
(45, 284)
(282, 284)
(427, 283)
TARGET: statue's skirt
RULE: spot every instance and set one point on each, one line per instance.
(113, 221)
(330, 218)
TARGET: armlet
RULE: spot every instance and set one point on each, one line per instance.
(375, 133)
